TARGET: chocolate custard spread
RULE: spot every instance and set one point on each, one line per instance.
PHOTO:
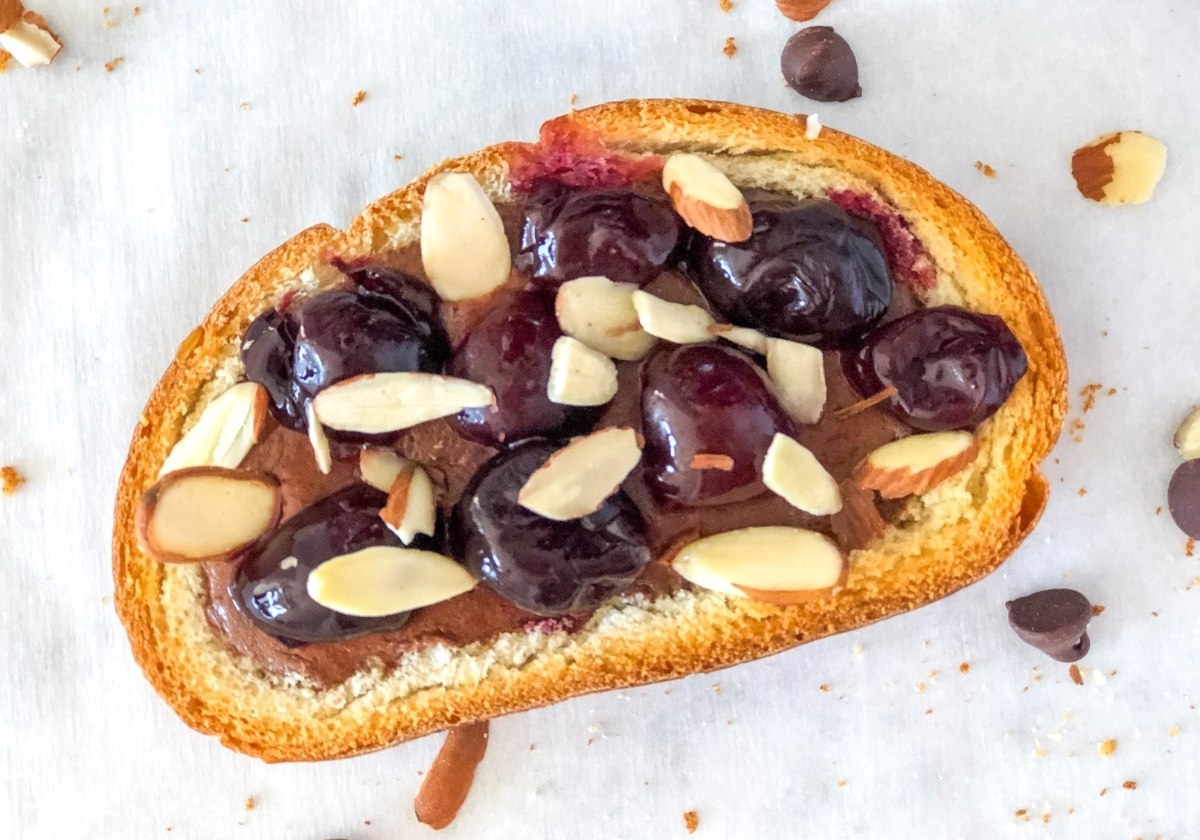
(480, 615)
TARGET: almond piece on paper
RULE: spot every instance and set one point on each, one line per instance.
(576, 479)
(25, 36)
(207, 513)
(385, 580)
(706, 199)
(464, 248)
(916, 464)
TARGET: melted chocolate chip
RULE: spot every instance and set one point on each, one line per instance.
(818, 63)
(1054, 621)
(1183, 498)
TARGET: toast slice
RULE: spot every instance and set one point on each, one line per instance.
(942, 541)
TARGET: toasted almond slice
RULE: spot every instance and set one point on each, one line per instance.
(858, 523)
(464, 248)
(812, 127)
(798, 372)
(385, 580)
(410, 509)
(793, 472)
(916, 464)
(1119, 168)
(676, 322)
(375, 403)
(741, 336)
(600, 313)
(317, 439)
(577, 479)
(775, 564)
(1187, 436)
(580, 375)
(207, 513)
(380, 466)
(706, 199)
(29, 42)
(228, 427)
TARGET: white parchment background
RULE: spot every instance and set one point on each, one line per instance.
(121, 207)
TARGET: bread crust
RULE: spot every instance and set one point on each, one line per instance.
(943, 541)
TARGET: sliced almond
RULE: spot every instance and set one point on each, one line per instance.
(812, 127)
(29, 41)
(775, 564)
(600, 313)
(916, 464)
(375, 403)
(790, 470)
(1187, 436)
(676, 322)
(798, 372)
(741, 336)
(580, 375)
(706, 199)
(464, 248)
(317, 439)
(380, 467)
(858, 523)
(385, 580)
(410, 509)
(207, 513)
(227, 429)
(577, 479)
(1119, 168)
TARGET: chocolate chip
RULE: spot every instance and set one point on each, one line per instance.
(1183, 498)
(1054, 621)
(818, 63)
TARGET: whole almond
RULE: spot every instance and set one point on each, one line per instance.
(706, 199)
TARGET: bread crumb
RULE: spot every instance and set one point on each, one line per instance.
(717, 689)
(964, 668)
(929, 711)
(1022, 813)
(137, 10)
(358, 98)
(726, 6)
(10, 480)
(1076, 677)
(104, 11)
(1103, 791)
(397, 157)
(1129, 784)
(4, 59)
(1082, 491)
(574, 98)
(1046, 818)
(1088, 392)
(1189, 547)
(823, 687)
(245, 219)
(114, 64)
(987, 171)
(1076, 429)
(245, 106)
(857, 650)
(730, 49)
(109, 24)
(1107, 747)
(1173, 731)
(841, 782)
(1099, 608)
(250, 803)
(691, 821)
(532, 747)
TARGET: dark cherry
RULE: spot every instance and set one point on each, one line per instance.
(808, 272)
(539, 564)
(951, 368)
(623, 235)
(509, 351)
(706, 399)
(271, 589)
(267, 348)
(405, 296)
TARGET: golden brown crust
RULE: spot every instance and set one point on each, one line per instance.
(957, 534)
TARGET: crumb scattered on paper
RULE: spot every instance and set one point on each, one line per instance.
(730, 48)
(1129, 784)
(1076, 676)
(358, 98)
(249, 803)
(1107, 747)
(114, 64)
(1088, 392)
(964, 668)
(988, 171)
(1099, 608)
(10, 480)
(726, 6)
(691, 821)
(244, 106)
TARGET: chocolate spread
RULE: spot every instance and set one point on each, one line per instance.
(451, 461)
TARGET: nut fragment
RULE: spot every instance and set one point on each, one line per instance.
(25, 36)
(1187, 436)
(228, 427)
(388, 402)
(576, 479)
(676, 322)
(706, 199)
(317, 439)
(916, 464)
(741, 336)
(798, 372)
(801, 10)
(774, 564)
(1119, 168)
(790, 470)
(580, 375)
(858, 523)
(410, 509)
(385, 580)
(380, 467)
(464, 248)
(600, 313)
(207, 513)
